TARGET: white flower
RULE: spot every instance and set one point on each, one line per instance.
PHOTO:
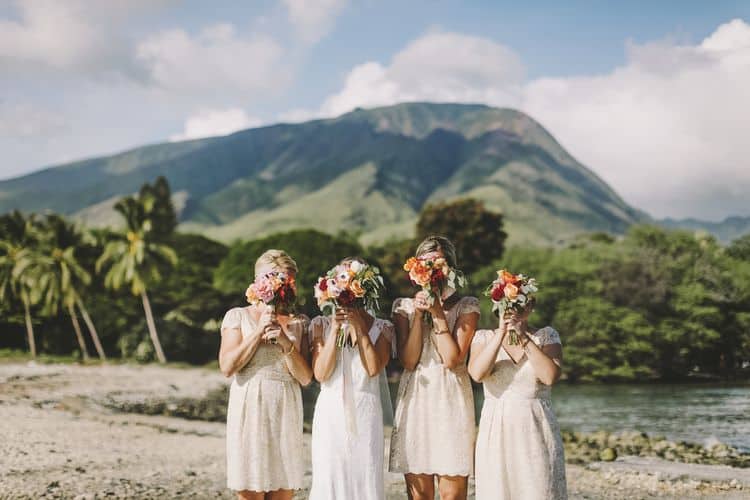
(356, 266)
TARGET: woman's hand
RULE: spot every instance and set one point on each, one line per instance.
(422, 302)
(502, 330)
(275, 334)
(266, 322)
(340, 317)
(357, 321)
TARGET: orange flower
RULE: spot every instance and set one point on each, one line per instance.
(410, 263)
(507, 277)
(511, 291)
(356, 287)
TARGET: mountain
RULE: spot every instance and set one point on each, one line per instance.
(725, 231)
(369, 171)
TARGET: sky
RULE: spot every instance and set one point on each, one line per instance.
(652, 96)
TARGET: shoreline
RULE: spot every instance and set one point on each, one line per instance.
(67, 440)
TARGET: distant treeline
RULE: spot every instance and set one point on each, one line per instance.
(654, 304)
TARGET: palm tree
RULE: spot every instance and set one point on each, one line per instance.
(134, 259)
(69, 277)
(18, 266)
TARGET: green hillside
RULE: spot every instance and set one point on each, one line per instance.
(369, 171)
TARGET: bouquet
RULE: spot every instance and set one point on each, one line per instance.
(352, 284)
(431, 271)
(276, 289)
(511, 293)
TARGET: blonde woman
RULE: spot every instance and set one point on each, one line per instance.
(263, 353)
(347, 431)
(519, 451)
(434, 428)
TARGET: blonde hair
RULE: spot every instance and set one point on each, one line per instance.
(276, 259)
(434, 243)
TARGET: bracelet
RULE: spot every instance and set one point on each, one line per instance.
(441, 332)
(291, 350)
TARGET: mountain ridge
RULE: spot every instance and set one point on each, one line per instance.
(397, 158)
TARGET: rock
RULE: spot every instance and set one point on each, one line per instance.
(608, 455)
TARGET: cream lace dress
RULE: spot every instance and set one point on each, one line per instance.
(519, 450)
(264, 416)
(347, 431)
(434, 427)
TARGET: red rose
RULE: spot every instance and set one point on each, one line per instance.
(437, 276)
(323, 284)
(498, 292)
(346, 297)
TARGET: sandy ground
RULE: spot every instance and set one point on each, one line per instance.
(59, 440)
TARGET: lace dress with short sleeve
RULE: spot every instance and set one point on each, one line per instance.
(264, 415)
(434, 427)
(519, 452)
(347, 430)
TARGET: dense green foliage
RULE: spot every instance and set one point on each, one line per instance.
(370, 171)
(477, 233)
(653, 304)
(657, 304)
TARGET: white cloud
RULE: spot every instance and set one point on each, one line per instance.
(438, 66)
(313, 19)
(208, 123)
(216, 60)
(75, 36)
(668, 129)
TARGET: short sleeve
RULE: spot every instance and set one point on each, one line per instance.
(384, 328)
(481, 337)
(232, 320)
(469, 305)
(546, 336)
(403, 306)
(318, 329)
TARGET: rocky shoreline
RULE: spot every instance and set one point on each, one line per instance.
(133, 431)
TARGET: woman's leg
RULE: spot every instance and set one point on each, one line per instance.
(280, 495)
(420, 486)
(250, 495)
(453, 487)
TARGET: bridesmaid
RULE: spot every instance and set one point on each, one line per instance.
(434, 427)
(347, 433)
(262, 351)
(519, 450)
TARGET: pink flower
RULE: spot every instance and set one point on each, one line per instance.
(264, 289)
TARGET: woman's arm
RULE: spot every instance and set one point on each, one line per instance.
(236, 352)
(483, 356)
(294, 355)
(409, 338)
(546, 360)
(324, 350)
(453, 350)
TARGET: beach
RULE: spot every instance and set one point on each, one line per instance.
(65, 435)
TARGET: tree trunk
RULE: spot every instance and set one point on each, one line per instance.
(29, 329)
(92, 329)
(79, 334)
(152, 328)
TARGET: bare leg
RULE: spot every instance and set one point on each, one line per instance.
(280, 495)
(453, 487)
(420, 486)
(250, 495)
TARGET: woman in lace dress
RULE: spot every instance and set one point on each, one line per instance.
(433, 428)
(347, 433)
(262, 351)
(519, 451)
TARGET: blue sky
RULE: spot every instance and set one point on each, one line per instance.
(624, 86)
